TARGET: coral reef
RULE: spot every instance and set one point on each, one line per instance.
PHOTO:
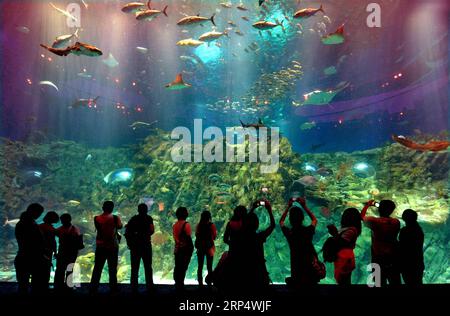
(72, 180)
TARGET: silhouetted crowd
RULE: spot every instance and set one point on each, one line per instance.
(397, 252)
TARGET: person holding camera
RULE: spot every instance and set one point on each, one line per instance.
(107, 250)
(300, 238)
(384, 248)
(255, 270)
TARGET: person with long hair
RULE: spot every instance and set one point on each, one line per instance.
(347, 236)
(205, 234)
(183, 247)
(299, 238)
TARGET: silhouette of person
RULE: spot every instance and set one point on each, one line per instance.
(348, 234)
(205, 233)
(107, 250)
(228, 271)
(183, 247)
(253, 260)
(411, 239)
(30, 259)
(138, 233)
(49, 234)
(385, 230)
(299, 238)
(70, 242)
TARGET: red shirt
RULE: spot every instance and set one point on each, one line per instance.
(180, 243)
(384, 235)
(107, 230)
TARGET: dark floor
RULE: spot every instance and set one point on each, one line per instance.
(324, 298)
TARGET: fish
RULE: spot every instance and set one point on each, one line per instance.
(195, 19)
(73, 203)
(150, 14)
(84, 75)
(241, 7)
(226, 5)
(324, 172)
(63, 40)
(88, 157)
(84, 103)
(433, 146)
(265, 25)
(11, 223)
(139, 124)
(334, 38)
(77, 49)
(319, 97)
(178, 83)
(238, 32)
(23, 29)
(161, 206)
(64, 12)
(245, 18)
(111, 62)
(190, 42)
(86, 5)
(307, 126)
(142, 50)
(308, 181)
(149, 201)
(118, 176)
(48, 83)
(329, 71)
(232, 23)
(212, 36)
(133, 7)
(255, 125)
(308, 12)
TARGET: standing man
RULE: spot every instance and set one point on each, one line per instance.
(30, 261)
(138, 233)
(385, 230)
(108, 238)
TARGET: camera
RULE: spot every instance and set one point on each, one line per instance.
(262, 203)
(376, 204)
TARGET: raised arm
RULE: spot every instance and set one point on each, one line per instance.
(271, 227)
(283, 216)
(366, 207)
(308, 211)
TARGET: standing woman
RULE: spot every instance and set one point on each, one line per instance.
(205, 234)
(183, 247)
(48, 231)
(347, 236)
(300, 238)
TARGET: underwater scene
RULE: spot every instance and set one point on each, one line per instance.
(93, 92)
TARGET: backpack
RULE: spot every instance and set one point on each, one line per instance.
(331, 248)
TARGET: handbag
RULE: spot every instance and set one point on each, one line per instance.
(319, 268)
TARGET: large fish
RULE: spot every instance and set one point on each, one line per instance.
(265, 25)
(63, 40)
(178, 83)
(212, 36)
(190, 42)
(306, 13)
(150, 14)
(334, 38)
(133, 7)
(49, 83)
(84, 103)
(77, 49)
(196, 19)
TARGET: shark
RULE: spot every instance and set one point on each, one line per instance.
(77, 49)
(255, 125)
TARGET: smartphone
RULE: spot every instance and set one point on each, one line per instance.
(376, 204)
(262, 203)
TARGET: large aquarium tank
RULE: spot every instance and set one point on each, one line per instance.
(144, 102)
